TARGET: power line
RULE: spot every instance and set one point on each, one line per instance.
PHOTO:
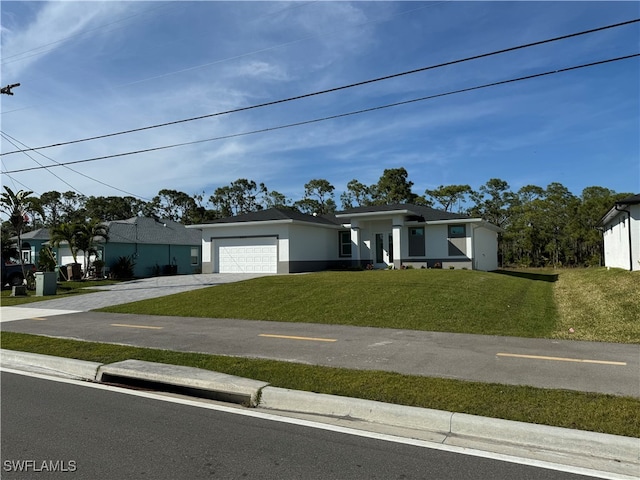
(8, 137)
(342, 115)
(335, 89)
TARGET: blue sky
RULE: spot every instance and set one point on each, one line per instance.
(93, 68)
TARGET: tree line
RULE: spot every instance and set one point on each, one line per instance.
(541, 226)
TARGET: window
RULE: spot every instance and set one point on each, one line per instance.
(416, 241)
(345, 244)
(195, 256)
(457, 231)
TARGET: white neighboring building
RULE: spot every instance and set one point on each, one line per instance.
(621, 234)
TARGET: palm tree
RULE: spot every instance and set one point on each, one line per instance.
(80, 237)
(16, 205)
(65, 232)
(87, 236)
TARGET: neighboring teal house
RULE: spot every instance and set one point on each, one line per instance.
(158, 247)
(32, 244)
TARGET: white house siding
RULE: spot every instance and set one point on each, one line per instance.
(485, 252)
(616, 240)
(313, 244)
(437, 238)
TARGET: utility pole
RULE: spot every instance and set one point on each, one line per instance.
(7, 90)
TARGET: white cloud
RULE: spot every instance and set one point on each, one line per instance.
(54, 26)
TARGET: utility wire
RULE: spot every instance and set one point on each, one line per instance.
(8, 137)
(341, 115)
(41, 165)
(335, 89)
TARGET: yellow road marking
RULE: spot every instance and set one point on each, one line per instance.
(289, 337)
(561, 359)
(37, 318)
(136, 326)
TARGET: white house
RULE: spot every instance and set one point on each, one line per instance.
(621, 234)
(286, 241)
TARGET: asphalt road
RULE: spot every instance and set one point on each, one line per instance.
(582, 366)
(100, 433)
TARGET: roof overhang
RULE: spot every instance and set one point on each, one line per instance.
(382, 213)
(263, 223)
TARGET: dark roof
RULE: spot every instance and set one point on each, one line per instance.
(614, 212)
(272, 214)
(39, 234)
(138, 230)
(632, 200)
(422, 212)
(151, 231)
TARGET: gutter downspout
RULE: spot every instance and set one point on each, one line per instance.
(629, 229)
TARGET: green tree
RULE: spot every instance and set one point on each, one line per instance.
(16, 205)
(73, 207)
(114, 208)
(357, 195)
(318, 198)
(393, 187)
(275, 199)
(174, 205)
(87, 235)
(65, 233)
(241, 196)
(560, 207)
(520, 241)
(492, 202)
(449, 195)
(51, 204)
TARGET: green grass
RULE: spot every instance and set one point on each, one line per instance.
(562, 408)
(64, 289)
(599, 305)
(459, 301)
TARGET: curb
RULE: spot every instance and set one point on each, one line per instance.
(449, 424)
(436, 421)
(81, 369)
(445, 427)
(220, 386)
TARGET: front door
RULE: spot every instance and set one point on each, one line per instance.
(384, 250)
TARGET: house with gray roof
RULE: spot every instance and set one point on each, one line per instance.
(155, 246)
(32, 243)
(621, 234)
(383, 236)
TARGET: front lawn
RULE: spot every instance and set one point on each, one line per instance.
(435, 300)
(597, 304)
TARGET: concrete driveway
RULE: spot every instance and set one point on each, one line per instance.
(135, 290)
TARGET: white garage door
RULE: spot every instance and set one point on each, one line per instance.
(247, 255)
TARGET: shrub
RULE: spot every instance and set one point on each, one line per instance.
(123, 268)
(46, 260)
